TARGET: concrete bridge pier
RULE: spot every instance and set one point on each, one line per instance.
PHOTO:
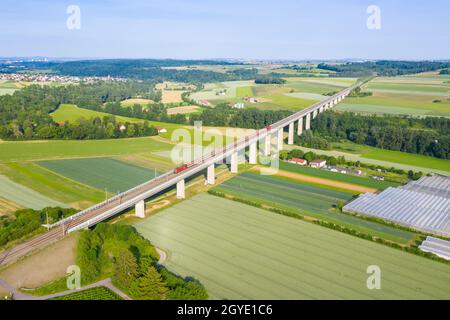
(308, 121)
(181, 193)
(139, 209)
(300, 126)
(321, 109)
(267, 145)
(211, 174)
(252, 153)
(234, 162)
(314, 114)
(280, 139)
(291, 133)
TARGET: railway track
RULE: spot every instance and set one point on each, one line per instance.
(82, 219)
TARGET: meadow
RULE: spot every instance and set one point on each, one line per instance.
(101, 173)
(351, 152)
(418, 160)
(51, 185)
(240, 252)
(305, 199)
(60, 149)
(419, 95)
(71, 113)
(25, 197)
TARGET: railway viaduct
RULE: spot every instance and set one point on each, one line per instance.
(295, 124)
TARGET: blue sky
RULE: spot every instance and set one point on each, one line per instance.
(249, 29)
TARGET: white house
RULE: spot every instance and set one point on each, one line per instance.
(161, 130)
(301, 162)
(318, 163)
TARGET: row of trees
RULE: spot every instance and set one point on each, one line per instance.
(130, 260)
(28, 221)
(251, 118)
(429, 136)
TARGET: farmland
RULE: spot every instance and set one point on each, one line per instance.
(417, 95)
(357, 180)
(387, 158)
(183, 110)
(97, 293)
(132, 101)
(71, 113)
(298, 93)
(304, 199)
(60, 149)
(24, 196)
(101, 173)
(240, 252)
(51, 185)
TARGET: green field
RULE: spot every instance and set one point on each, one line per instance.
(52, 185)
(71, 113)
(24, 196)
(101, 173)
(305, 199)
(54, 149)
(241, 252)
(244, 91)
(408, 158)
(418, 160)
(352, 155)
(97, 293)
(418, 95)
(358, 180)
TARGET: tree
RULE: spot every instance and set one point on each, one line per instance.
(284, 154)
(125, 269)
(151, 285)
(309, 156)
(332, 161)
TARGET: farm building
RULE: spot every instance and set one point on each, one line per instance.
(161, 129)
(318, 163)
(380, 178)
(301, 162)
(251, 99)
(423, 205)
(344, 170)
(238, 105)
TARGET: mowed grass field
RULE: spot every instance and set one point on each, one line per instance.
(60, 149)
(101, 173)
(305, 199)
(25, 197)
(240, 252)
(419, 95)
(51, 185)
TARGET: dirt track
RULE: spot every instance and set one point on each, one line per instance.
(322, 181)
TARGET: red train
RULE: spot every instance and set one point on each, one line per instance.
(182, 168)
